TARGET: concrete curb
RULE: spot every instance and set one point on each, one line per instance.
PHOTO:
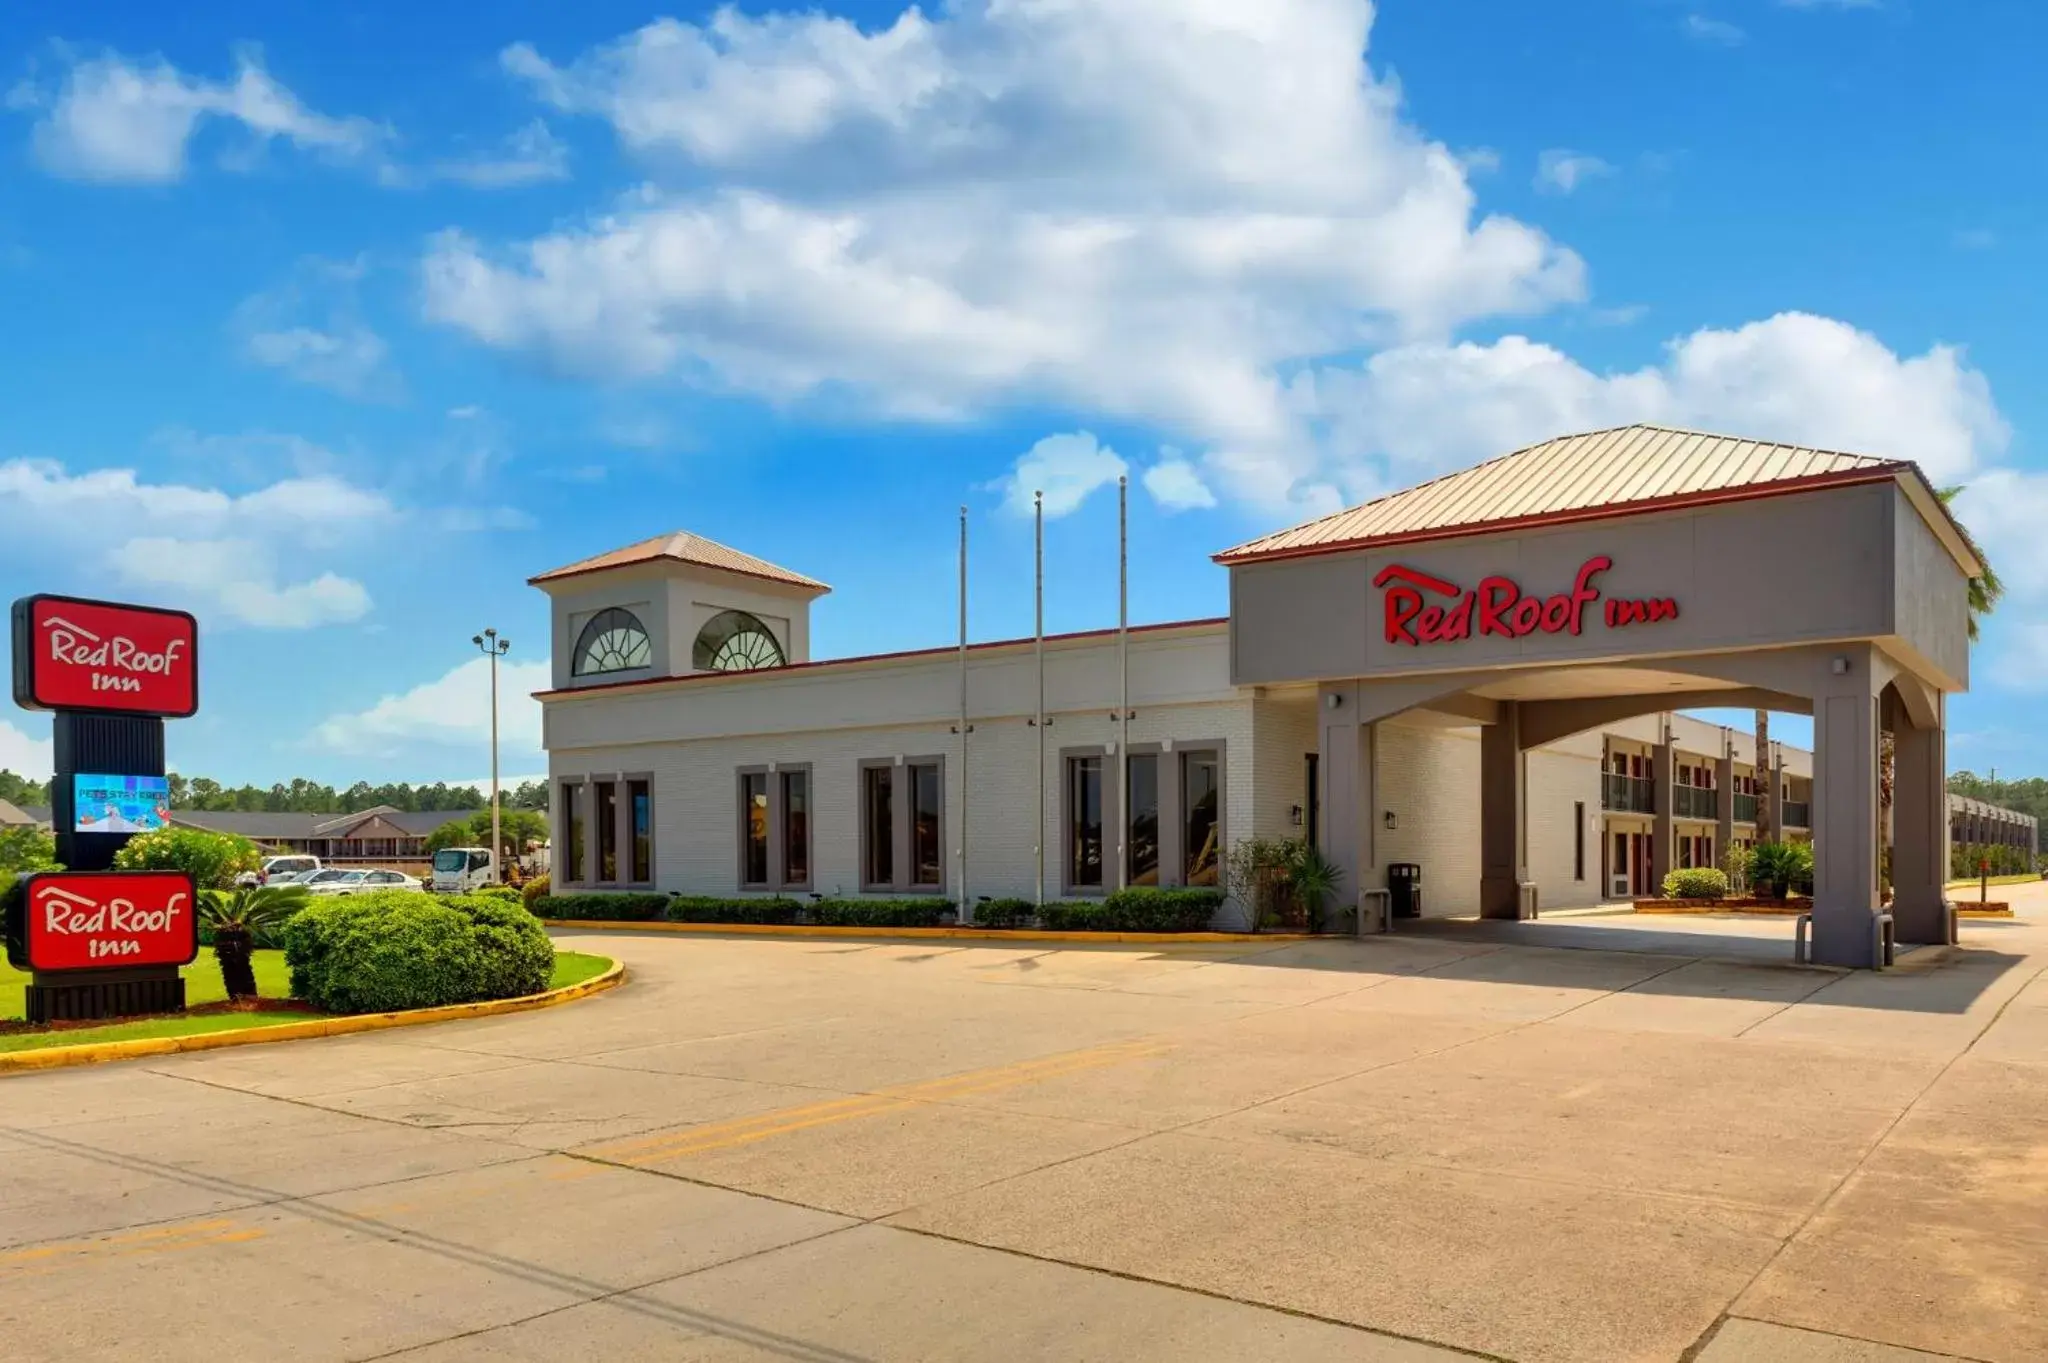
(920, 934)
(100, 1052)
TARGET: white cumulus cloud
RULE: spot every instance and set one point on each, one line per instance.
(1559, 171)
(1066, 468)
(226, 557)
(311, 328)
(117, 119)
(1176, 486)
(23, 755)
(452, 710)
(530, 156)
(1142, 208)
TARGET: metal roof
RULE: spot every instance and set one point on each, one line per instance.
(684, 547)
(1601, 473)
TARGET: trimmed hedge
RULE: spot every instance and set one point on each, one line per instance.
(1139, 909)
(1696, 882)
(619, 906)
(880, 913)
(397, 949)
(706, 909)
(1005, 913)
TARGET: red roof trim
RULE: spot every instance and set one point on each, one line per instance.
(1674, 502)
(874, 658)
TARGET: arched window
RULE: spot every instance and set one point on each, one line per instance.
(734, 641)
(613, 641)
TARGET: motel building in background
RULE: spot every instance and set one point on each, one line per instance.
(1483, 675)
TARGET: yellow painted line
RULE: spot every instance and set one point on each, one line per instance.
(787, 1121)
(966, 934)
(184, 1235)
(99, 1052)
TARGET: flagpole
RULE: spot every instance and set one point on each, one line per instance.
(1123, 701)
(1038, 516)
(966, 913)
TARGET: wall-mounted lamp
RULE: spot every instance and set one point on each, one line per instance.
(1840, 666)
(1333, 700)
(1389, 820)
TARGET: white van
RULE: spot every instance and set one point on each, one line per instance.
(458, 870)
(277, 869)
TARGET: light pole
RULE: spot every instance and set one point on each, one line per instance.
(494, 648)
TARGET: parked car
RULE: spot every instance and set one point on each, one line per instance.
(333, 880)
(459, 870)
(387, 880)
(275, 868)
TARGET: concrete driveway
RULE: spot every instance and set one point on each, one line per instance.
(1416, 1148)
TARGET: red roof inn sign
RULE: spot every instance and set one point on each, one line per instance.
(1420, 609)
(107, 919)
(104, 658)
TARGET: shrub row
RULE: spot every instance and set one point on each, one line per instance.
(613, 906)
(1141, 909)
(1137, 910)
(394, 949)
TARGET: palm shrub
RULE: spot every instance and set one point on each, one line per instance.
(1311, 879)
(236, 918)
(1779, 868)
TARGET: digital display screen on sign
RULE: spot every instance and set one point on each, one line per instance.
(97, 920)
(71, 654)
(120, 804)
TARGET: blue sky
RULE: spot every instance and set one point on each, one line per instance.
(337, 323)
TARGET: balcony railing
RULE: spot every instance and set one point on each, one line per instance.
(1629, 794)
(1798, 814)
(1745, 808)
(1693, 802)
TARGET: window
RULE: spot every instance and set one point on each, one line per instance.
(604, 812)
(734, 641)
(1200, 787)
(1314, 801)
(640, 801)
(1084, 822)
(796, 827)
(926, 857)
(572, 830)
(613, 641)
(754, 828)
(1143, 839)
(878, 826)
(1579, 840)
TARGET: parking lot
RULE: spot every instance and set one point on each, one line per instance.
(1412, 1148)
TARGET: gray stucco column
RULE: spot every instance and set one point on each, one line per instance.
(1663, 828)
(1349, 800)
(1724, 800)
(1845, 721)
(1503, 821)
(1919, 833)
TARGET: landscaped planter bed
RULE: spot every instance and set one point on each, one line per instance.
(1789, 906)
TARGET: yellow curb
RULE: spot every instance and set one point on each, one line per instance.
(99, 1052)
(1751, 910)
(971, 934)
(1984, 913)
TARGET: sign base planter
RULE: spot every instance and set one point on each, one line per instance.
(82, 996)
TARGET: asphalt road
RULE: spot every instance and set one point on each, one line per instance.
(1417, 1148)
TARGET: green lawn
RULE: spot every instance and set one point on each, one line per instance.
(203, 985)
(2021, 879)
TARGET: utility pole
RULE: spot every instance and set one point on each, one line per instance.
(494, 648)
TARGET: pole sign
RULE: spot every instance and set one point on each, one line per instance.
(102, 920)
(104, 658)
(1421, 609)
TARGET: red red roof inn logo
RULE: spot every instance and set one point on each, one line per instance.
(101, 920)
(94, 655)
(1498, 606)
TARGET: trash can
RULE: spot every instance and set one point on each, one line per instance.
(1404, 883)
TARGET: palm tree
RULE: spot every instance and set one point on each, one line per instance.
(1986, 589)
(237, 917)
